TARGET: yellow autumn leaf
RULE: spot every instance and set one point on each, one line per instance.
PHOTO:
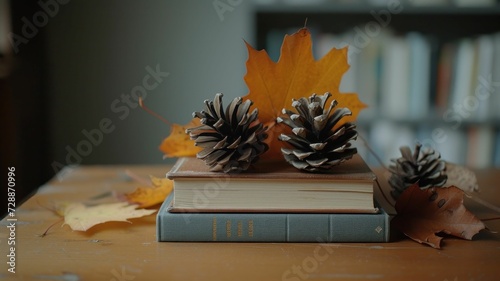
(151, 195)
(178, 144)
(80, 217)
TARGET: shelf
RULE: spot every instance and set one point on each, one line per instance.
(445, 23)
(335, 8)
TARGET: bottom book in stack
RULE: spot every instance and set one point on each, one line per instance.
(270, 227)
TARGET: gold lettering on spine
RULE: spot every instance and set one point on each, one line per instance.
(228, 228)
(240, 228)
(214, 229)
(250, 228)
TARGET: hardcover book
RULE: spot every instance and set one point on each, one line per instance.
(273, 187)
(270, 227)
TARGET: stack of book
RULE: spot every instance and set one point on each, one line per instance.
(274, 202)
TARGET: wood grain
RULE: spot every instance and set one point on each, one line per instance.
(123, 251)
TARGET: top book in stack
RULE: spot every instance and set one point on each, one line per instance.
(273, 187)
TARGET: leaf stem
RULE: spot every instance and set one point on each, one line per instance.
(154, 114)
(486, 204)
(381, 164)
(138, 178)
(372, 152)
(491, 219)
(383, 194)
(47, 230)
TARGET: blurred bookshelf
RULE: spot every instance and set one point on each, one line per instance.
(429, 70)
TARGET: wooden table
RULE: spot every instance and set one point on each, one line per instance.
(122, 251)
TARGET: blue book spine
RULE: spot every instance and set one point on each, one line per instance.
(270, 227)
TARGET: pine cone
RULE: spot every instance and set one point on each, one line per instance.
(423, 167)
(317, 147)
(232, 140)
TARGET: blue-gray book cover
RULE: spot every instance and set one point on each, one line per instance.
(270, 227)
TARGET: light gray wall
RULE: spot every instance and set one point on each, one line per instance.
(98, 50)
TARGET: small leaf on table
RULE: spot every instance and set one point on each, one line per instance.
(80, 217)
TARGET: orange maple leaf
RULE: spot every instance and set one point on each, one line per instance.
(152, 195)
(273, 85)
(178, 144)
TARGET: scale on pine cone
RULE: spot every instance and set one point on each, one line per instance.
(424, 167)
(317, 145)
(231, 140)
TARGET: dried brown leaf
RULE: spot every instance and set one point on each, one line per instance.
(421, 214)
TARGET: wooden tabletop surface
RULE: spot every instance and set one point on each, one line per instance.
(129, 251)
